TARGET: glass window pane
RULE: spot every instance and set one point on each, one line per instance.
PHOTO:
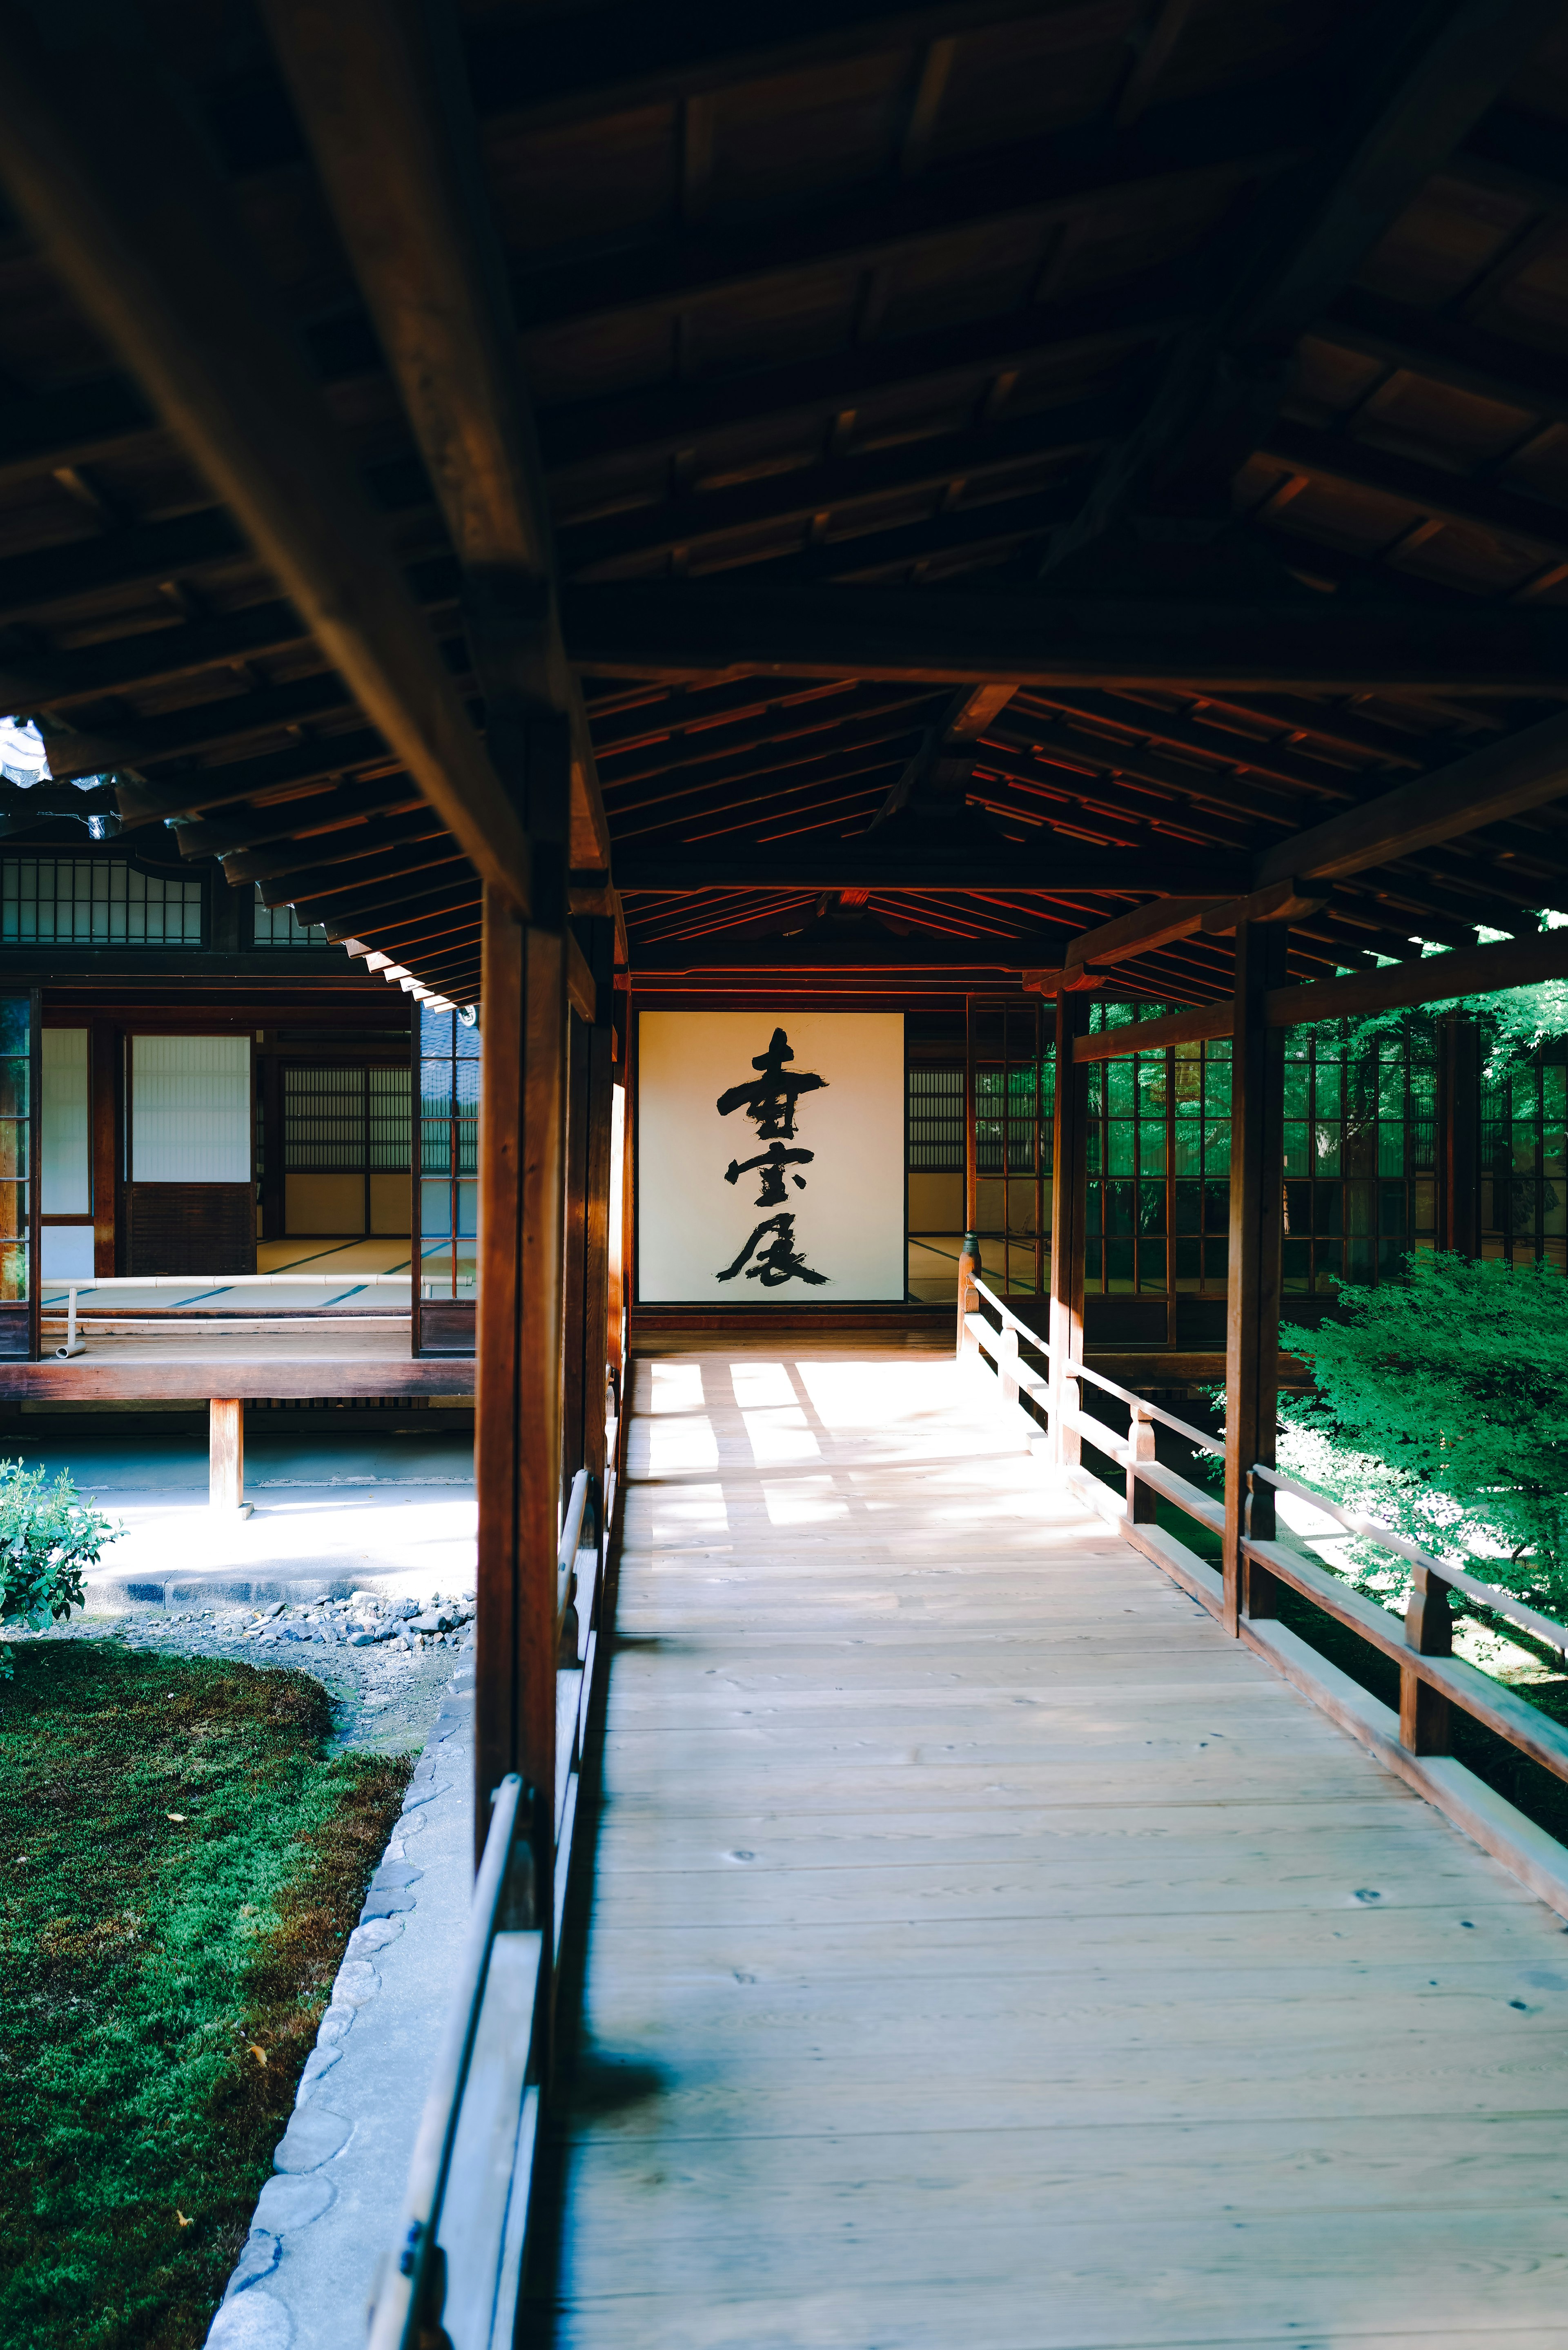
(435, 1209)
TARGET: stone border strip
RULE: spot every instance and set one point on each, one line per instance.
(302, 2191)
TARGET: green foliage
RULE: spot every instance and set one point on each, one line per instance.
(182, 1859)
(1439, 1407)
(47, 1540)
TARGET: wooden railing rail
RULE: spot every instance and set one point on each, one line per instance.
(410, 2295)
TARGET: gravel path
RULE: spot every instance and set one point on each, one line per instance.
(385, 1662)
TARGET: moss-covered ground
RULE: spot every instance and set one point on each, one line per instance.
(183, 1857)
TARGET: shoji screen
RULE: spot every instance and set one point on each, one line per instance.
(190, 1109)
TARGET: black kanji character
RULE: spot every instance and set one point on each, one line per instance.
(770, 1099)
(778, 1262)
(773, 1161)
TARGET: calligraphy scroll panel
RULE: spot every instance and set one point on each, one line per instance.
(770, 1158)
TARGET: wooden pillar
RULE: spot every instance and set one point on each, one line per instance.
(602, 1345)
(517, 1415)
(103, 1080)
(1252, 1324)
(273, 1190)
(226, 1456)
(1458, 1137)
(970, 1139)
(1143, 1504)
(576, 1344)
(1069, 1187)
(1429, 1630)
(968, 1295)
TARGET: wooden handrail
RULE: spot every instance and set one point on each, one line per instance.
(1009, 1320)
(1487, 1595)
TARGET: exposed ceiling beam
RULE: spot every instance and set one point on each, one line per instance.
(863, 950)
(805, 491)
(1410, 78)
(1523, 771)
(1433, 979)
(108, 169)
(1432, 490)
(943, 637)
(944, 867)
(382, 96)
(1445, 349)
(1200, 141)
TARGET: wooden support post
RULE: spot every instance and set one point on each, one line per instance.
(968, 1295)
(576, 1342)
(517, 1417)
(1007, 1362)
(1429, 1630)
(107, 1156)
(1142, 1502)
(1069, 1189)
(971, 1138)
(1257, 1177)
(602, 1347)
(1458, 1137)
(226, 1456)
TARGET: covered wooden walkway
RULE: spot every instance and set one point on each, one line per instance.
(987, 1953)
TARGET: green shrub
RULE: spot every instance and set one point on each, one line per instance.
(47, 1540)
(1441, 1408)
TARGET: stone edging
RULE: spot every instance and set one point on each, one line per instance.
(297, 2195)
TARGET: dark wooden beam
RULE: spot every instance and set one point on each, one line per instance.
(872, 951)
(141, 225)
(1198, 143)
(1445, 349)
(1434, 979)
(384, 101)
(1410, 78)
(955, 638)
(1430, 489)
(1521, 771)
(943, 866)
(591, 549)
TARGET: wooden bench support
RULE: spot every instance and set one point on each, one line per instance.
(226, 1456)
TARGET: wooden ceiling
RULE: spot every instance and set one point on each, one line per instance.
(987, 465)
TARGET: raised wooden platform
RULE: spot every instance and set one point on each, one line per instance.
(987, 1951)
(312, 1359)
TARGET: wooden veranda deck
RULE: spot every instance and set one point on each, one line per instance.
(986, 1953)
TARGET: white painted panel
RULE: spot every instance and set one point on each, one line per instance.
(190, 1109)
(820, 1220)
(67, 1249)
(64, 1138)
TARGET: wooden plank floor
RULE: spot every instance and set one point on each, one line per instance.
(986, 1954)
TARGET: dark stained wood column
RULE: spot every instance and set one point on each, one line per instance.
(1252, 1327)
(598, 1342)
(1458, 1136)
(1069, 1187)
(577, 1340)
(103, 1080)
(518, 1398)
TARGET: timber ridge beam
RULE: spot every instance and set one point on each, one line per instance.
(1479, 971)
(145, 231)
(937, 635)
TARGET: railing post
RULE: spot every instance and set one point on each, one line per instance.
(1069, 1177)
(1429, 1630)
(1257, 1177)
(1260, 1588)
(968, 1295)
(1142, 1503)
(1458, 1137)
(1007, 1362)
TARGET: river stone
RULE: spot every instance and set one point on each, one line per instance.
(366, 1939)
(287, 2202)
(394, 1876)
(319, 2061)
(314, 2136)
(357, 1981)
(259, 2259)
(252, 2321)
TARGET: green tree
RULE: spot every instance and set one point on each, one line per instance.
(1441, 1407)
(48, 1539)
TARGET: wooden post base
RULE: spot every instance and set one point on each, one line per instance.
(226, 1456)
